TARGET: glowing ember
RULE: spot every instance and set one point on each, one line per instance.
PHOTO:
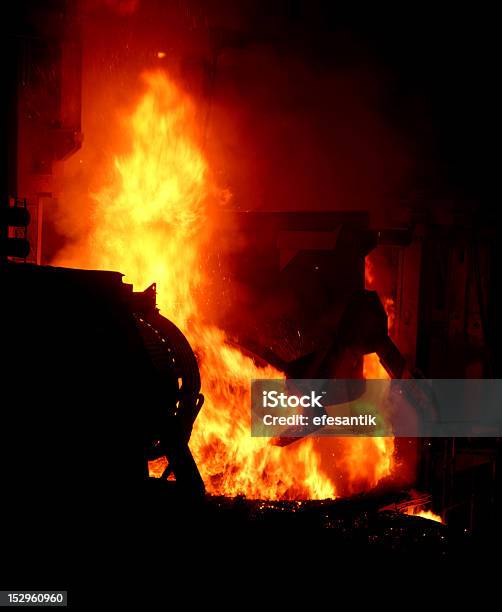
(152, 220)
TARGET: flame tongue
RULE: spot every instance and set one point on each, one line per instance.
(152, 220)
(147, 219)
(428, 514)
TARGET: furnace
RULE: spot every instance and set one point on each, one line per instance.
(199, 195)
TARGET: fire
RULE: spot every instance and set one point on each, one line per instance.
(147, 219)
(428, 514)
(152, 220)
(372, 368)
(230, 460)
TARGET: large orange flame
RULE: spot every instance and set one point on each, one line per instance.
(152, 220)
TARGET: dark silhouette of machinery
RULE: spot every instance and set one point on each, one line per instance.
(96, 382)
(176, 367)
